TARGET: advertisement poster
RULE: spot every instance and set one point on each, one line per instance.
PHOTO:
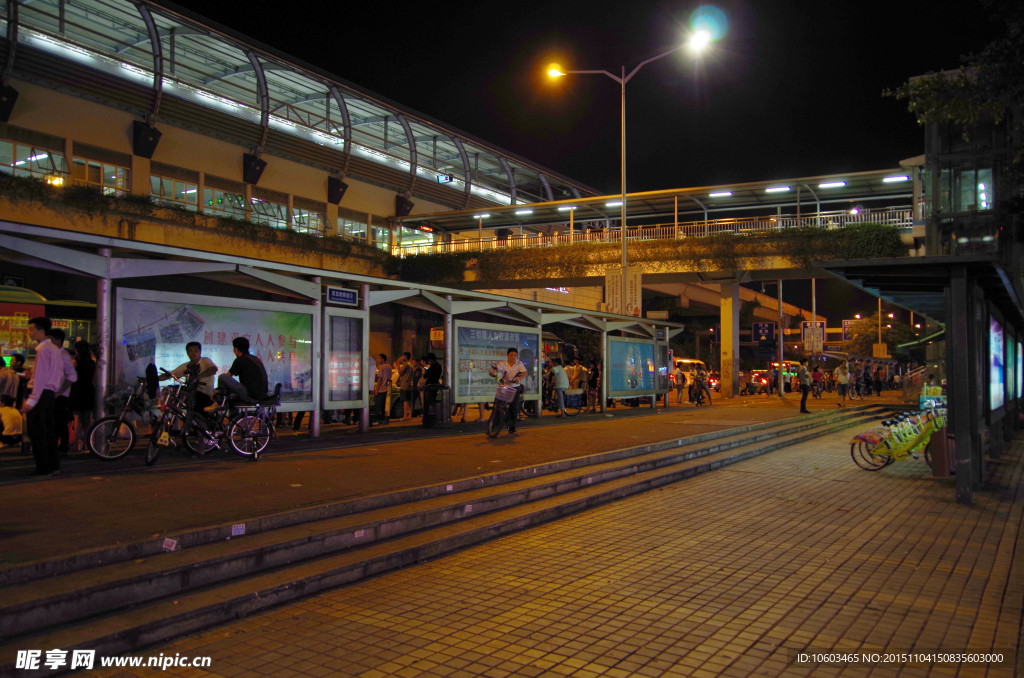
(345, 359)
(613, 289)
(477, 348)
(1011, 367)
(661, 363)
(1020, 370)
(632, 368)
(997, 388)
(157, 331)
(634, 292)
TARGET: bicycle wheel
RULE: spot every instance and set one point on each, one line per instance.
(852, 394)
(197, 441)
(249, 435)
(111, 438)
(495, 422)
(573, 405)
(863, 457)
(154, 449)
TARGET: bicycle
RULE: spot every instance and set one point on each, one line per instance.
(894, 440)
(698, 398)
(816, 389)
(172, 406)
(112, 437)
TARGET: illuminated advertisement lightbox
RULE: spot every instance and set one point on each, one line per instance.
(996, 356)
(154, 329)
(478, 346)
(345, 359)
(633, 369)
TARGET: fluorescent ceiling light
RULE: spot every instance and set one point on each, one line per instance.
(780, 189)
(833, 184)
(524, 211)
(614, 203)
(723, 194)
(481, 216)
(567, 208)
(892, 180)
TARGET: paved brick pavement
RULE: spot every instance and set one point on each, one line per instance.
(101, 504)
(720, 575)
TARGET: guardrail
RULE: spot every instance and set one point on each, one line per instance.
(691, 229)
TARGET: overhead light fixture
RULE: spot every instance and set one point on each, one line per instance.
(893, 180)
(723, 194)
(779, 189)
(481, 216)
(832, 184)
(524, 211)
(566, 208)
(613, 203)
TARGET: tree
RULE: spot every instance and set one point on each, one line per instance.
(989, 85)
(864, 335)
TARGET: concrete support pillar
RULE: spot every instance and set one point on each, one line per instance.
(962, 382)
(140, 176)
(539, 412)
(730, 339)
(449, 347)
(105, 327)
(604, 372)
(320, 327)
(364, 414)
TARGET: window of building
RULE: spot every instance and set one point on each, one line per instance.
(110, 179)
(304, 221)
(23, 160)
(352, 228)
(223, 197)
(173, 193)
(413, 237)
(268, 207)
(381, 237)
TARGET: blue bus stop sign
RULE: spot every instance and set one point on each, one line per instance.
(763, 332)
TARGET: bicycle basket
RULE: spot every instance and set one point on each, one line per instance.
(506, 393)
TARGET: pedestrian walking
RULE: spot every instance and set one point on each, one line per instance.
(406, 385)
(680, 383)
(381, 390)
(561, 384)
(83, 392)
(878, 381)
(842, 377)
(62, 416)
(47, 378)
(804, 379)
(594, 386)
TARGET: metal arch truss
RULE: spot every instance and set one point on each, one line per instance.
(264, 96)
(12, 40)
(468, 172)
(547, 186)
(413, 154)
(511, 179)
(702, 205)
(164, 32)
(158, 60)
(346, 123)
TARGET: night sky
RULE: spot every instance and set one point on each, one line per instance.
(793, 89)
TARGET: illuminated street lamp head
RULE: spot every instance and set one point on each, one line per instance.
(699, 40)
(555, 71)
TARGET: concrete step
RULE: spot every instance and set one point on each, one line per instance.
(215, 600)
(39, 603)
(190, 538)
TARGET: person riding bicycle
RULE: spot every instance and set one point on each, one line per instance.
(251, 381)
(817, 382)
(512, 371)
(206, 367)
(700, 383)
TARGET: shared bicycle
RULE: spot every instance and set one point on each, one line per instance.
(896, 439)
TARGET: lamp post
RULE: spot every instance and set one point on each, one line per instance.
(698, 41)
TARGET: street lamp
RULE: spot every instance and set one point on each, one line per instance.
(698, 41)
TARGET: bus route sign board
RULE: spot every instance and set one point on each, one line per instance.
(342, 296)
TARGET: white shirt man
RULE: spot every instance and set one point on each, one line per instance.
(47, 379)
(207, 372)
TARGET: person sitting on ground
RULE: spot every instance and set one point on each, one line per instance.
(11, 422)
(196, 360)
(251, 381)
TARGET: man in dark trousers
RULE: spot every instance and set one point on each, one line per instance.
(47, 378)
(62, 402)
(247, 377)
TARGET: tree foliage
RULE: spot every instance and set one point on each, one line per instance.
(864, 335)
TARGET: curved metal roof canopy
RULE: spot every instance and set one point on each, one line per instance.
(182, 54)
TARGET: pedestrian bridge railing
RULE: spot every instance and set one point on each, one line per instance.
(691, 229)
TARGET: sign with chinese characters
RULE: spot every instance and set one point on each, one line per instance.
(763, 332)
(157, 331)
(563, 290)
(342, 296)
(813, 335)
(478, 346)
(847, 324)
(613, 291)
(634, 291)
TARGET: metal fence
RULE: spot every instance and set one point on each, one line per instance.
(691, 229)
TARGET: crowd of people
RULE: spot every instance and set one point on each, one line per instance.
(51, 400)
